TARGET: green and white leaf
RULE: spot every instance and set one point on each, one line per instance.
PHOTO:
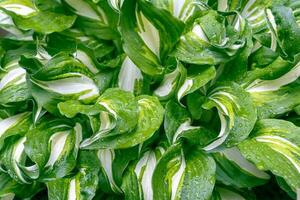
(130, 76)
(184, 174)
(274, 145)
(233, 169)
(63, 141)
(150, 117)
(236, 111)
(138, 180)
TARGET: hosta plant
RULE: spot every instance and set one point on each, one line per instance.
(150, 99)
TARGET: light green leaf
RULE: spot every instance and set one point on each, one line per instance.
(44, 22)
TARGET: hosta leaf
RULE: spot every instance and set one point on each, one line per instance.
(13, 86)
(169, 28)
(14, 125)
(277, 96)
(150, 118)
(146, 60)
(96, 20)
(130, 76)
(287, 27)
(13, 156)
(175, 117)
(233, 169)
(196, 78)
(181, 174)
(64, 78)
(114, 163)
(183, 10)
(123, 107)
(171, 82)
(209, 41)
(138, 179)
(20, 7)
(82, 186)
(223, 193)
(236, 112)
(10, 188)
(44, 22)
(274, 146)
(62, 141)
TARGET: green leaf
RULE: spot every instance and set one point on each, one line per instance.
(236, 111)
(14, 125)
(171, 82)
(274, 97)
(63, 78)
(274, 146)
(233, 169)
(138, 178)
(181, 174)
(9, 188)
(114, 163)
(209, 42)
(53, 146)
(81, 186)
(175, 116)
(287, 27)
(196, 78)
(145, 60)
(150, 118)
(44, 22)
(20, 7)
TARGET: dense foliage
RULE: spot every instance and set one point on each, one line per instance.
(150, 99)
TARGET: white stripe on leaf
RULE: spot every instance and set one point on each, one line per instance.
(72, 86)
(129, 75)
(8, 123)
(17, 156)
(197, 30)
(57, 141)
(15, 76)
(223, 134)
(273, 27)
(168, 84)
(146, 165)
(116, 4)
(82, 8)
(276, 84)
(183, 127)
(284, 147)
(222, 5)
(235, 155)
(72, 190)
(19, 9)
(176, 179)
(187, 85)
(148, 33)
(106, 157)
(86, 60)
